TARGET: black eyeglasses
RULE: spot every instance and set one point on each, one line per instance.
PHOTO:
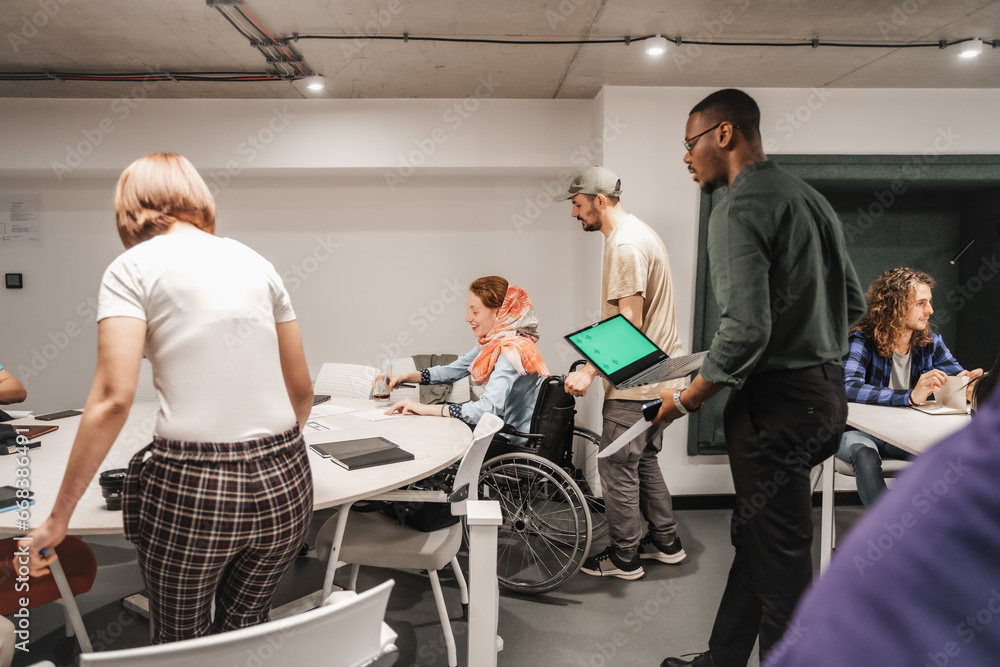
(689, 143)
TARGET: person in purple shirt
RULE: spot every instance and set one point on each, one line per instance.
(894, 359)
(917, 581)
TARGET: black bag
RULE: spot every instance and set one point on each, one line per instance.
(425, 517)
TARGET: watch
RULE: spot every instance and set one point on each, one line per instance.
(680, 406)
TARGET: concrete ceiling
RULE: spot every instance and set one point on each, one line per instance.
(107, 36)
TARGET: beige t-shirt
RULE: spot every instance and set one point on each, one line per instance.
(636, 262)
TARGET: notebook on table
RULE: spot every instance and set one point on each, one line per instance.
(32, 431)
(13, 498)
(9, 436)
(362, 453)
(949, 399)
(626, 357)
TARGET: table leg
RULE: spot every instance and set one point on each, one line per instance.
(484, 592)
(827, 527)
(338, 538)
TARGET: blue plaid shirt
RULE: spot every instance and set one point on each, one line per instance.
(867, 373)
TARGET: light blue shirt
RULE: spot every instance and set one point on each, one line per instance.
(507, 394)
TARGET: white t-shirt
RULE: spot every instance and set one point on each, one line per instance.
(210, 305)
(636, 262)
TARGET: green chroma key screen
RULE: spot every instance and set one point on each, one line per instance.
(613, 345)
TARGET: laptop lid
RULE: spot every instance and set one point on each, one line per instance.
(616, 348)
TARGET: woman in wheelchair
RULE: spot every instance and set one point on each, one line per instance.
(505, 359)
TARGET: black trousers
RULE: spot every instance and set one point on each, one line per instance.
(778, 425)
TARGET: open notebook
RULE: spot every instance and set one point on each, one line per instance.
(949, 400)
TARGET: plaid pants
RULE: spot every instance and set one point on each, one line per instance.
(216, 520)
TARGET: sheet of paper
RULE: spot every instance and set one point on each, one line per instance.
(628, 436)
(319, 426)
(20, 221)
(328, 410)
(376, 415)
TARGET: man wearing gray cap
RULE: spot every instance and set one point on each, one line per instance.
(636, 281)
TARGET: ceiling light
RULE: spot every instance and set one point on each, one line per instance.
(657, 46)
(971, 49)
(315, 82)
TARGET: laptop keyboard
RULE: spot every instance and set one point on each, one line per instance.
(660, 373)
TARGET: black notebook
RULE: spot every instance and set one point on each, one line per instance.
(9, 433)
(363, 453)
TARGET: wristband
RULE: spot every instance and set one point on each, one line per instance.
(443, 406)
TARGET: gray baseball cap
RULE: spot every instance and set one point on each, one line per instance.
(594, 181)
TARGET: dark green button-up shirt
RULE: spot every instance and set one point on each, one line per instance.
(781, 275)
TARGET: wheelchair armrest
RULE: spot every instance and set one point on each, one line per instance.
(587, 433)
(576, 364)
(509, 430)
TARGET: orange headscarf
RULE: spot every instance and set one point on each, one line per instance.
(514, 336)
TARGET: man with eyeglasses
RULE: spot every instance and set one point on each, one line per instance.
(787, 292)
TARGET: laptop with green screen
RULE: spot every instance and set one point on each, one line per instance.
(626, 357)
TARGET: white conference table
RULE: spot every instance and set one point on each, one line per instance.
(435, 444)
(905, 427)
(909, 429)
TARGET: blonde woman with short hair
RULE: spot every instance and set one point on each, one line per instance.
(219, 503)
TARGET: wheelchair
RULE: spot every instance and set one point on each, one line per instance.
(550, 512)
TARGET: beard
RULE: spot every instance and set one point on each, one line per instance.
(714, 164)
(590, 225)
(708, 187)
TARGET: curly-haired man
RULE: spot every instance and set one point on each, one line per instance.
(894, 359)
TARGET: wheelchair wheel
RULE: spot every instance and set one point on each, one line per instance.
(545, 535)
(586, 444)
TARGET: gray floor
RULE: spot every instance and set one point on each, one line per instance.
(587, 622)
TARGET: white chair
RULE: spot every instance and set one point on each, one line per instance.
(828, 526)
(376, 540)
(347, 631)
(349, 380)
(145, 392)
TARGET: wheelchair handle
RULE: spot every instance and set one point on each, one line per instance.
(576, 364)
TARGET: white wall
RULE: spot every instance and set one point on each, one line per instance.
(375, 255)
(305, 183)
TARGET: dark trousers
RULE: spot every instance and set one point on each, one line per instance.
(778, 425)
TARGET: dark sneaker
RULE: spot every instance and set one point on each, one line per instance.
(609, 564)
(672, 553)
(699, 660)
